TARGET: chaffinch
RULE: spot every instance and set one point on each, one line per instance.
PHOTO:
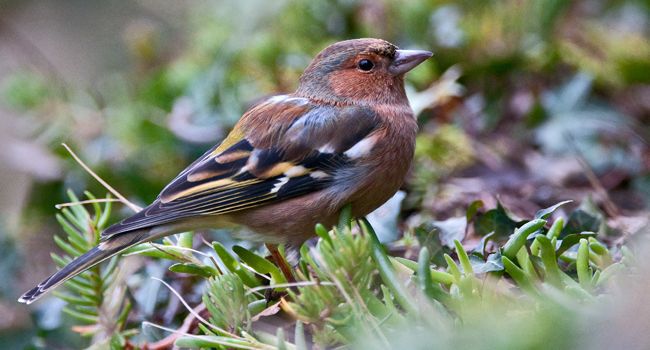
(346, 135)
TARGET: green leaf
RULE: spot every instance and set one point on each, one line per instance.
(210, 341)
(556, 229)
(518, 275)
(386, 269)
(88, 310)
(582, 265)
(482, 247)
(345, 218)
(79, 211)
(454, 270)
(300, 340)
(427, 285)
(96, 208)
(609, 272)
(496, 220)
(472, 210)
(463, 259)
(598, 247)
(124, 314)
(234, 266)
(281, 343)
(545, 213)
(428, 237)
(436, 275)
(25, 90)
(571, 240)
(186, 239)
(323, 233)
(78, 225)
(587, 217)
(226, 300)
(256, 306)
(74, 235)
(161, 251)
(519, 237)
(81, 316)
(450, 230)
(106, 213)
(549, 259)
(528, 263)
(491, 264)
(581, 220)
(66, 247)
(72, 299)
(194, 269)
(260, 264)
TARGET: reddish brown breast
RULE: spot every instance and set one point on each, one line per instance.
(391, 158)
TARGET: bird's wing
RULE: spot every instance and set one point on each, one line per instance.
(282, 148)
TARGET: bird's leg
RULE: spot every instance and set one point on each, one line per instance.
(280, 262)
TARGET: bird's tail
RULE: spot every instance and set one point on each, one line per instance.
(103, 251)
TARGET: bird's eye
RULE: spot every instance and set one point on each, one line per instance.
(365, 65)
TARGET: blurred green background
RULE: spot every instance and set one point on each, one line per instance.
(530, 101)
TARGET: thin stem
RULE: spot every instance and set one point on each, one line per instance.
(122, 199)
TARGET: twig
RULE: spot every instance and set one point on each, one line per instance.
(174, 256)
(198, 317)
(256, 273)
(122, 199)
(88, 201)
(289, 285)
(185, 328)
(280, 262)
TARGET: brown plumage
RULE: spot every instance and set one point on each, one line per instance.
(346, 135)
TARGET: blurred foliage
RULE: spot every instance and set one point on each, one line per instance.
(546, 276)
(533, 101)
(514, 56)
(24, 91)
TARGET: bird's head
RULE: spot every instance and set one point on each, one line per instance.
(360, 71)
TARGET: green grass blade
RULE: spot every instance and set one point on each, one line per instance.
(260, 264)
(518, 238)
(386, 270)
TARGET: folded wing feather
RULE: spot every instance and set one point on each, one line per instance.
(279, 150)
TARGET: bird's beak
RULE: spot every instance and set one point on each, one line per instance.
(405, 60)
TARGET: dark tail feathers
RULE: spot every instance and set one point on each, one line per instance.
(105, 250)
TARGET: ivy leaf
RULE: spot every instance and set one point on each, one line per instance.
(480, 249)
(493, 263)
(496, 220)
(586, 218)
(439, 236)
(450, 230)
(428, 236)
(472, 209)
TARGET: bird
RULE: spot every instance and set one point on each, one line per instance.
(345, 136)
